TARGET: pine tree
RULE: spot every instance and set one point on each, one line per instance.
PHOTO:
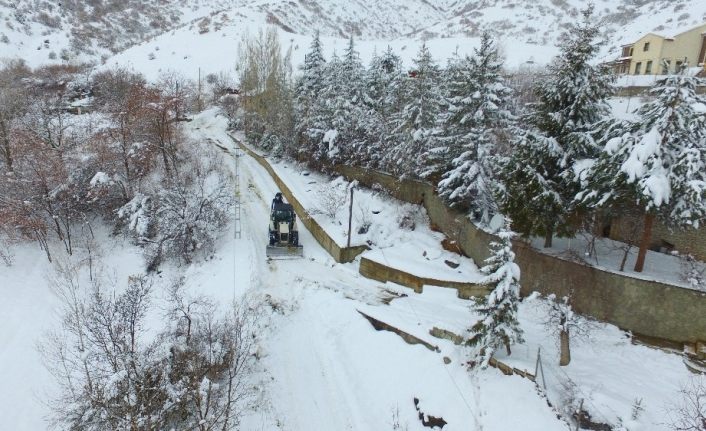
(657, 162)
(383, 96)
(350, 120)
(323, 131)
(498, 326)
(384, 84)
(415, 123)
(539, 177)
(308, 90)
(340, 119)
(478, 111)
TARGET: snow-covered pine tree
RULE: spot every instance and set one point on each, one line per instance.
(384, 90)
(308, 89)
(415, 123)
(657, 162)
(478, 113)
(498, 326)
(539, 177)
(343, 99)
(322, 132)
(384, 84)
(439, 156)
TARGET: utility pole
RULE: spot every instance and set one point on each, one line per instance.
(176, 100)
(350, 217)
(236, 219)
(199, 103)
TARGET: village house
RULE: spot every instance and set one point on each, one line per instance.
(654, 54)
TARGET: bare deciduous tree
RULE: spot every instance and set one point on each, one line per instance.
(689, 413)
(13, 104)
(191, 211)
(114, 375)
(562, 321)
(266, 87)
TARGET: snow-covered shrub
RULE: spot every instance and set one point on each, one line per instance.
(406, 217)
(332, 197)
(692, 271)
(210, 359)
(364, 219)
(570, 398)
(116, 373)
(190, 213)
(138, 215)
(272, 144)
(5, 254)
(689, 412)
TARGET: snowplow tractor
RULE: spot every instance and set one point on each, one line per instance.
(283, 231)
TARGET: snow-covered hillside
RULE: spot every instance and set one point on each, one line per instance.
(51, 31)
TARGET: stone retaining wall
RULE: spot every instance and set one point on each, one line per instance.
(377, 271)
(647, 308)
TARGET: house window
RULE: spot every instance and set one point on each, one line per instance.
(648, 68)
(638, 67)
(631, 51)
(665, 67)
(677, 67)
(646, 47)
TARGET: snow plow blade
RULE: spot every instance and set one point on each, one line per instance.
(284, 252)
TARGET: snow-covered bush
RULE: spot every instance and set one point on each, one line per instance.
(113, 372)
(692, 271)
(5, 254)
(332, 197)
(138, 215)
(689, 412)
(363, 218)
(407, 217)
(272, 144)
(190, 213)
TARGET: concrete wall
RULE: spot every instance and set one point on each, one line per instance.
(646, 308)
(380, 272)
(635, 91)
(692, 241)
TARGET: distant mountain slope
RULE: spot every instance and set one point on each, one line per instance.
(51, 30)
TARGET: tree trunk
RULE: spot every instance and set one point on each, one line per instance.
(644, 242)
(548, 238)
(565, 349)
(7, 151)
(626, 250)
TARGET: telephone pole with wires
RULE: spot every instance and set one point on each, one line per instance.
(236, 218)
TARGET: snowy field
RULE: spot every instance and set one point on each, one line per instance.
(186, 50)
